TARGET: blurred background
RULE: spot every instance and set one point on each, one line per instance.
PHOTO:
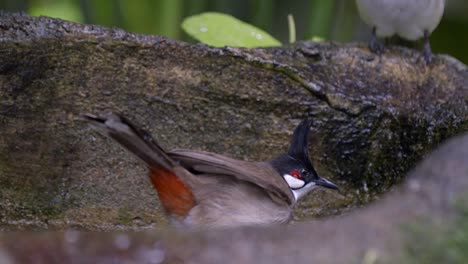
(335, 20)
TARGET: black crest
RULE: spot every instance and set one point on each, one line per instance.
(299, 148)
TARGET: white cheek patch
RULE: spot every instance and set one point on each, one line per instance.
(293, 182)
(304, 190)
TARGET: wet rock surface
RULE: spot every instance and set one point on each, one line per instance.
(374, 116)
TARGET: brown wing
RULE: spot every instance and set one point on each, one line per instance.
(258, 173)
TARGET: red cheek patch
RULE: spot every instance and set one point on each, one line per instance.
(296, 174)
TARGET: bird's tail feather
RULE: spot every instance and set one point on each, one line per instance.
(136, 140)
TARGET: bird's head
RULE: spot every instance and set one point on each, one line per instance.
(295, 166)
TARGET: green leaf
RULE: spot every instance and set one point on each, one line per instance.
(220, 30)
(67, 10)
(317, 39)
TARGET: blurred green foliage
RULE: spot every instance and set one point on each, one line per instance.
(330, 19)
(438, 243)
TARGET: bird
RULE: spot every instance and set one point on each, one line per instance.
(409, 19)
(202, 189)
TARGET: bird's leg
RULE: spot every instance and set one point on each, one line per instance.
(426, 52)
(374, 44)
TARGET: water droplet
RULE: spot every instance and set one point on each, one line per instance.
(82, 94)
(5, 257)
(71, 236)
(259, 36)
(203, 29)
(414, 185)
(122, 242)
(107, 92)
(153, 256)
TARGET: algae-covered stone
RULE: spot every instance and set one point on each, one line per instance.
(374, 117)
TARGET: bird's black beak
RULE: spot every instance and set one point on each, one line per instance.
(326, 183)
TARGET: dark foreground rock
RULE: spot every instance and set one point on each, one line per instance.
(427, 197)
(374, 116)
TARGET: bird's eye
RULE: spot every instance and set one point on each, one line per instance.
(296, 174)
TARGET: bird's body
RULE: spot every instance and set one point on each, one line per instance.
(199, 188)
(409, 19)
(222, 195)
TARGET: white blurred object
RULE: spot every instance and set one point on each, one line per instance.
(409, 19)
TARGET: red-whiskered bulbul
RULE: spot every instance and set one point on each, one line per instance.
(200, 188)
